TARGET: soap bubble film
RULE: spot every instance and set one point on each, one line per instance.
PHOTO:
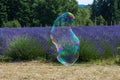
(66, 42)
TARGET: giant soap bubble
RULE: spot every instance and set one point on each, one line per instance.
(65, 40)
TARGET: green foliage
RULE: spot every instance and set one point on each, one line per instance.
(88, 51)
(117, 54)
(25, 48)
(47, 10)
(109, 51)
(89, 22)
(21, 10)
(52, 50)
(3, 12)
(35, 12)
(5, 59)
(117, 17)
(14, 23)
(108, 9)
(83, 17)
(44, 12)
(100, 20)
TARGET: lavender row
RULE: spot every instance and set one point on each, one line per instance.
(93, 33)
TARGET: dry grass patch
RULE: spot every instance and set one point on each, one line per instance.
(46, 71)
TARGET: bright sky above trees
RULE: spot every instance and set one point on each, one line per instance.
(86, 2)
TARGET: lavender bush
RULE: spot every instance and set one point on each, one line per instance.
(25, 48)
(88, 51)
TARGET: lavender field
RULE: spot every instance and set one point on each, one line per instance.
(104, 37)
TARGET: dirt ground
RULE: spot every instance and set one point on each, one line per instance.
(46, 71)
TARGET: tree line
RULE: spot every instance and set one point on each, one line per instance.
(17, 13)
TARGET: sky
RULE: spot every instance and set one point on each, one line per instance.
(86, 2)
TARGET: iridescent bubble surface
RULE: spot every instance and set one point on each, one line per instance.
(65, 40)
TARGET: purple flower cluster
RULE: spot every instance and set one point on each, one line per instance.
(110, 34)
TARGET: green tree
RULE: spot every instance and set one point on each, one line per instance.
(48, 10)
(100, 20)
(22, 10)
(116, 13)
(83, 17)
(109, 9)
(3, 11)
(13, 23)
(18, 9)
(95, 11)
